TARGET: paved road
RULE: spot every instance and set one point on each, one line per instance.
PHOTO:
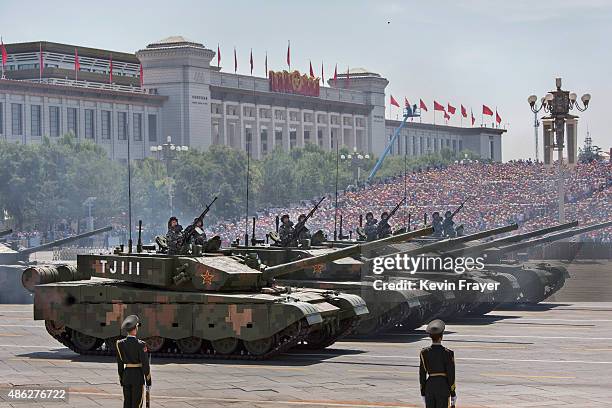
(556, 354)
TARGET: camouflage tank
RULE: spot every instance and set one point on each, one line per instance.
(409, 308)
(13, 260)
(220, 305)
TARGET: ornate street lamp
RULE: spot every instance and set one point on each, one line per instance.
(558, 104)
(356, 162)
(168, 152)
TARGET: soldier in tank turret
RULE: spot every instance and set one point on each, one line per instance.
(303, 233)
(436, 224)
(371, 227)
(383, 228)
(198, 236)
(174, 236)
(286, 232)
(448, 225)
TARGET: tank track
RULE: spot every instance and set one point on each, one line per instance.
(386, 321)
(329, 340)
(65, 339)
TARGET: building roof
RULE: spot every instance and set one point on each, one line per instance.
(175, 41)
(457, 129)
(358, 72)
(17, 48)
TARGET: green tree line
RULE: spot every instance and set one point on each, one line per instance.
(44, 184)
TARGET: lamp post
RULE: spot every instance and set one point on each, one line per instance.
(168, 152)
(557, 104)
(356, 162)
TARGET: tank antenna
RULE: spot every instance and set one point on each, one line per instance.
(336, 204)
(246, 215)
(129, 169)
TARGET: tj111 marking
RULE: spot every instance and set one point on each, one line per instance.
(129, 267)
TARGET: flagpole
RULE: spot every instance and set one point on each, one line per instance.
(40, 61)
(2, 56)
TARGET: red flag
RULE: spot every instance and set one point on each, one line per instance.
(486, 110)
(406, 103)
(141, 76)
(311, 70)
(322, 76)
(463, 111)
(266, 63)
(4, 54)
(77, 64)
(335, 74)
(473, 118)
(235, 61)
(251, 61)
(110, 72)
(289, 54)
(446, 116)
(451, 109)
(218, 56)
(438, 107)
(347, 83)
(422, 105)
(497, 117)
(394, 102)
(40, 63)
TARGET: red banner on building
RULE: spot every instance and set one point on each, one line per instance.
(293, 82)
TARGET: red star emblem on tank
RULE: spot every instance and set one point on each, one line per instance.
(207, 277)
(318, 269)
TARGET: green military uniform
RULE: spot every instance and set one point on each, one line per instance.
(437, 371)
(384, 229)
(286, 232)
(133, 365)
(371, 228)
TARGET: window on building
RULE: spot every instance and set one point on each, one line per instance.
(414, 146)
(54, 121)
(460, 145)
(152, 128)
(264, 141)
(292, 138)
(249, 111)
(36, 123)
(137, 127)
(90, 124)
(421, 146)
(455, 146)
(122, 126)
(264, 113)
(278, 138)
(248, 137)
(1, 118)
(294, 116)
(307, 137)
(106, 124)
(492, 149)
(308, 117)
(279, 115)
(347, 121)
(72, 121)
(320, 137)
(16, 119)
(321, 118)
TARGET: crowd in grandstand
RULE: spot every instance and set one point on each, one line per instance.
(499, 193)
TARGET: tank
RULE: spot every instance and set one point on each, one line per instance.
(12, 264)
(538, 280)
(218, 305)
(409, 308)
(5, 232)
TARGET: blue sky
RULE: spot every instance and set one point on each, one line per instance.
(470, 52)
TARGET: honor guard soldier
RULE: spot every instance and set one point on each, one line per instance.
(437, 370)
(133, 364)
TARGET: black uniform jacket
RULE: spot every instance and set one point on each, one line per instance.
(133, 362)
(437, 361)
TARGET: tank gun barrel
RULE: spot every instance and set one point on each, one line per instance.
(554, 237)
(278, 270)
(451, 242)
(6, 232)
(63, 241)
(477, 247)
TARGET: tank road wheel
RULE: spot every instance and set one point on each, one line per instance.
(319, 339)
(261, 346)
(225, 346)
(110, 344)
(368, 327)
(55, 328)
(85, 342)
(155, 343)
(292, 331)
(189, 345)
